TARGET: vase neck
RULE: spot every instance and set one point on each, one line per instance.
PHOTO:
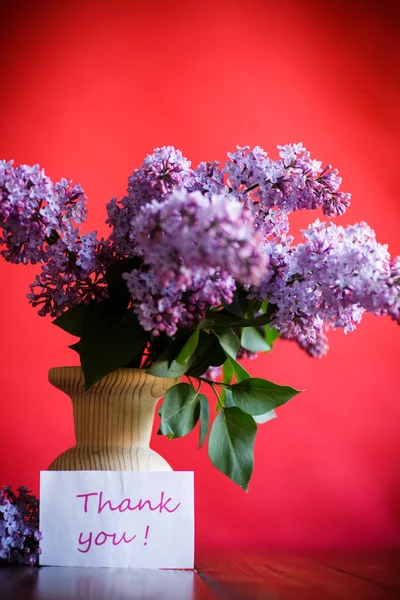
(116, 411)
(116, 418)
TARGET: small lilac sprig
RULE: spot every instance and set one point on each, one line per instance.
(19, 527)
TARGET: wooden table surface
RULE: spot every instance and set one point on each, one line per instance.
(239, 575)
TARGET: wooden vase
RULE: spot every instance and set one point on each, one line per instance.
(113, 420)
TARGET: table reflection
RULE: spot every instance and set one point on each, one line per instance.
(78, 583)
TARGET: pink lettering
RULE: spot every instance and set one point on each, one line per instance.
(163, 505)
(102, 506)
(88, 542)
(86, 496)
(97, 538)
(101, 539)
(146, 535)
(123, 539)
(125, 504)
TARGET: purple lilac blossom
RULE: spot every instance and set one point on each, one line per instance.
(72, 272)
(197, 247)
(351, 269)
(23, 191)
(19, 527)
(316, 348)
(393, 306)
(31, 208)
(247, 354)
(331, 280)
(189, 230)
(160, 174)
(201, 233)
(208, 178)
(164, 307)
(274, 189)
(213, 373)
(37, 220)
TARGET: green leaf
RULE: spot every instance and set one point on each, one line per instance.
(110, 340)
(117, 288)
(166, 365)
(189, 348)
(268, 416)
(271, 334)
(250, 314)
(208, 354)
(228, 398)
(75, 347)
(240, 372)
(163, 368)
(260, 419)
(258, 396)
(227, 372)
(239, 303)
(231, 445)
(222, 320)
(229, 342)
(258, 305)
(180, 410)
(165, 429)
(204, 418)
(253, 340)
(73, 319)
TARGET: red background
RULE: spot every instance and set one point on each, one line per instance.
(87, 89)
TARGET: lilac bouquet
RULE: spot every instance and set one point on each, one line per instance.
(19, 527)
(199, 271)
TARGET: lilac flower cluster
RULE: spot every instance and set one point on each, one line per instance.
(19, 527)
(331, 279)
(207, 178)
(160, 174)
(72, 272)
(194, 249)
(200, 233)
(31, 208)
(38, 221)
(276, 188)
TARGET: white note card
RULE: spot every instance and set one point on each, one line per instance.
(117, 519)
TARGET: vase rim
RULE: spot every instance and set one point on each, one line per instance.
(78, 368)
(71, 378)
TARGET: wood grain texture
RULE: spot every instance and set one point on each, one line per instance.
(379, 567)
(113, 420)
(250, 575)
(226, 574)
